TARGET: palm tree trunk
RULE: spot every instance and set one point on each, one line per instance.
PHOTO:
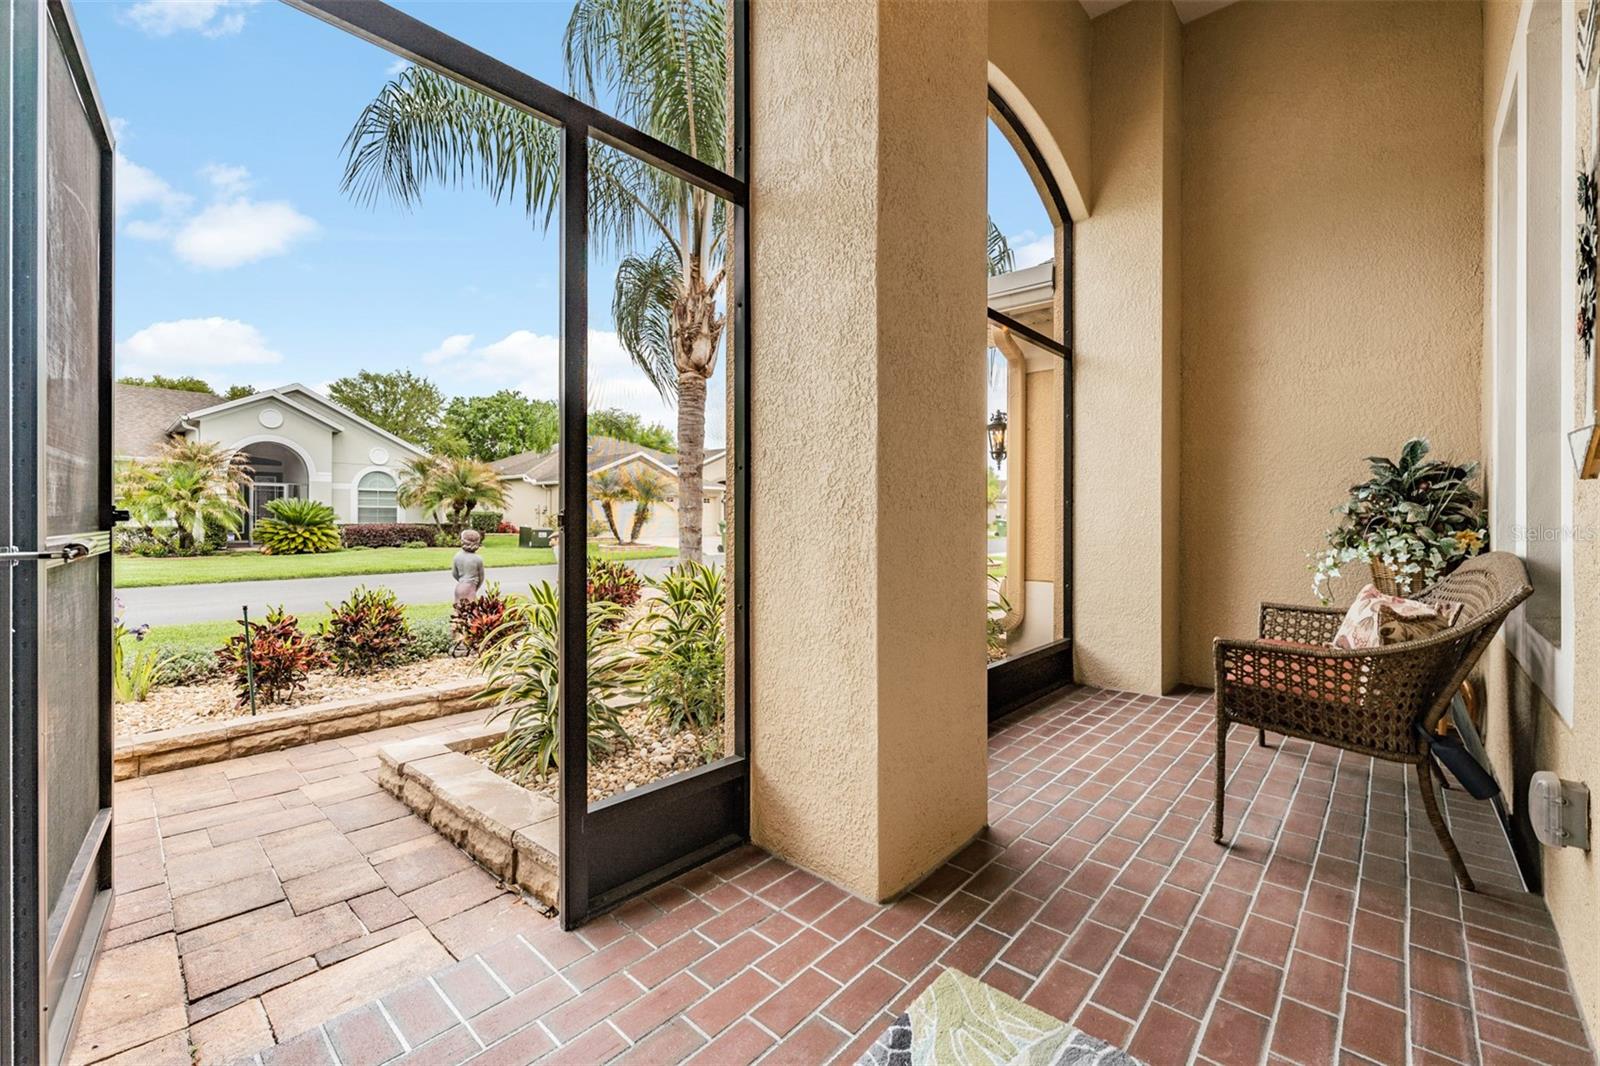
(691, 463)
(611, 519)
(641, 515)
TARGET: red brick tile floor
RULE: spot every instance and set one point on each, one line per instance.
(307, 919)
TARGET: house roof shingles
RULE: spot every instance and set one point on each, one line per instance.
(545, 467)
(141, 416)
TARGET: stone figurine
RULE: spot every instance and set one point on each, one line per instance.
(467, 567)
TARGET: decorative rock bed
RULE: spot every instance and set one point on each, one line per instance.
(175, 749)
(512, 832)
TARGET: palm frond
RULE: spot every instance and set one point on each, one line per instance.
(1002, 260)
(647, 287)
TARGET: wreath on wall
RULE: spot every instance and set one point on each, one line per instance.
(1588, 230)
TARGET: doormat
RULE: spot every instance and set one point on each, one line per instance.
(960, 1020)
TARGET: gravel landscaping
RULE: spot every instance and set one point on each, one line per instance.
(655, 753)
(169, 706)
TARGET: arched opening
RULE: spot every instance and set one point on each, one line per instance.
(1027, 530)
(278, 472)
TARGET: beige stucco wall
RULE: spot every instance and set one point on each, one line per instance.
(1039, 51)
(1125, 403)
(867, 675)
(1332, 227)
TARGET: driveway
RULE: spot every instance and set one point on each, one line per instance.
(173, 604)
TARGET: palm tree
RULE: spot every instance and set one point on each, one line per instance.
(665, 62)
(188, 486)
(608, 488)
(645, 489)
(459, 485)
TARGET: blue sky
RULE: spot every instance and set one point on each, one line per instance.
(238, 258)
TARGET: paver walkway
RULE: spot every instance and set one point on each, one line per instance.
(1331, 929)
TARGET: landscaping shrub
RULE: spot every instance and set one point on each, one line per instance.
(132, 680)
(447, 538)
(283, 655)
(418, 544)
(474, 622)
(506, 527)
(485, 521)
(297, 527)
(431, 638)
(612, 582)
(129, 539)
(384, 534)
(524, 683)
(682, 640)
(190, 666)
(366, 632)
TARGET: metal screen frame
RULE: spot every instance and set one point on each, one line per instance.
(51, 944)
(630, 842)
(1020, 680)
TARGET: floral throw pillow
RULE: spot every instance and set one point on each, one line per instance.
(1375, 620)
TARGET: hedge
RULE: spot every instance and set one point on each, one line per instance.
(385, 534)
(485, 521)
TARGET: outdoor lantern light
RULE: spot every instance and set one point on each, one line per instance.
(997, 437)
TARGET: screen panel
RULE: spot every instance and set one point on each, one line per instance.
(72, 307)
(71, 708)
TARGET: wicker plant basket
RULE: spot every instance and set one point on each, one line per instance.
(1383, 579)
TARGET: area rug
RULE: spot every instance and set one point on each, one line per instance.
(960, 1020)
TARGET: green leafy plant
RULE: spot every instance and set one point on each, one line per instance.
(280, 657)
(366, 632)
(431, 638)
(522, 665)
(682, 640)
(453, 484)
(476, 622)
(417, 544)
(995, 621)
(608, 489)
(186, 499)
(297, 527)
(132, 679)
(1417, 516)
(614, 582)
(647, 490)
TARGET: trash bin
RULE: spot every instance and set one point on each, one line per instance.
(529, 537)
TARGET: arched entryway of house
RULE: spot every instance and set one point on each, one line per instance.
(278, 472)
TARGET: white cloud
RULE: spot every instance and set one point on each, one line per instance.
(240, 231)
(227, 180)
(531, 362)
(1030, 249)
(210, 18)
(193, 344)
(397, 68)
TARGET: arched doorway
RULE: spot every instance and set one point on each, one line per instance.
(278, 472)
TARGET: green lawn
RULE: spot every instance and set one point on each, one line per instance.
(208, 636)
(499, 550)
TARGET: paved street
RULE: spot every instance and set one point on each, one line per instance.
(172, 604)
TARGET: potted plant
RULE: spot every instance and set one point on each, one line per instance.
(1412, 522)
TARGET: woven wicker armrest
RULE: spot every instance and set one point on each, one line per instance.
(1301, 624)
(1362, 700)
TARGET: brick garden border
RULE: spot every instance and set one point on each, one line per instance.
(195, 745)
(510, 831)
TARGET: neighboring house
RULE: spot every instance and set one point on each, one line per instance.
(299, 443)
(532, 481)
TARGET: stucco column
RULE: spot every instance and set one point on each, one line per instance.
(867, 296)
(1126, 365)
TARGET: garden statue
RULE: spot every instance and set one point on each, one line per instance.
(467, 568)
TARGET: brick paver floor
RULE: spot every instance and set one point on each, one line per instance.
(312, 920)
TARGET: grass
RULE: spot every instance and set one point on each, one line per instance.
(208, 636)
(500, 549)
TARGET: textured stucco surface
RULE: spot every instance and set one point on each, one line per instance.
(1040, 51)
(867, 299)
(1125, 504)
(1332, 284)
(1525, 733)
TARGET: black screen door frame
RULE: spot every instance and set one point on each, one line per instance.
(626, 844)
(51, 942)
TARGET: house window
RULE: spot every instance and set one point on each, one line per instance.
(375, 498)
(1533, 354)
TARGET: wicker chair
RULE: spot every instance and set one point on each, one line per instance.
(1372, 700)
